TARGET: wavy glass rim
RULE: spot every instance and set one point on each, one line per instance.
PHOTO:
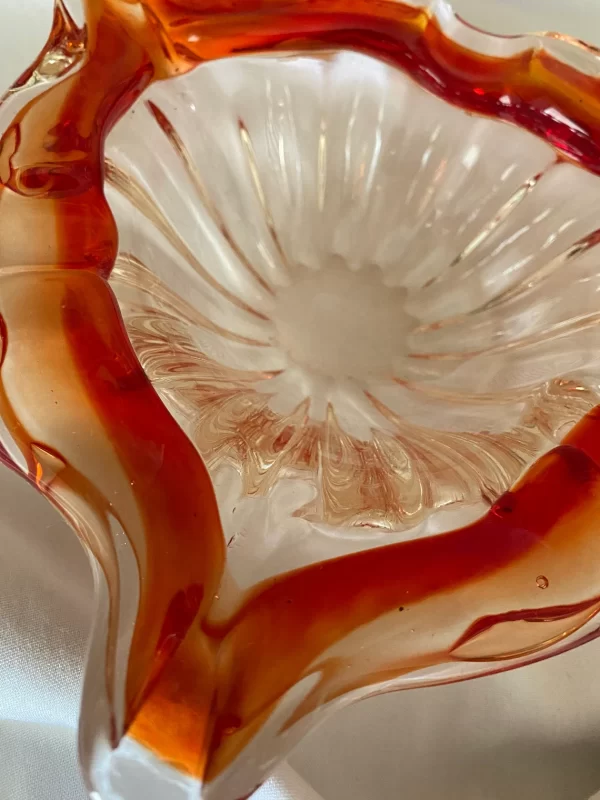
(504, 45)
(571, 67)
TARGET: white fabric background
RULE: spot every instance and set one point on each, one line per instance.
(528, 734)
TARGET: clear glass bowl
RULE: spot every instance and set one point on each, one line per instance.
(372, 312)
(353, 296)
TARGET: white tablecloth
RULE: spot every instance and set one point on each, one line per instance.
(528, 734)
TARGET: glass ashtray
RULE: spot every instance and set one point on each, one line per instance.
(374, 313)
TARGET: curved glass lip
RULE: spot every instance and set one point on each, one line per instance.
(566, 48)
(575, 52)
(569, 50)
(483, 73)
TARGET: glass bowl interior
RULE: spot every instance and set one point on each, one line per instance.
(370, 310)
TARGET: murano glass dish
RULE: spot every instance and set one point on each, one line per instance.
(374, 312)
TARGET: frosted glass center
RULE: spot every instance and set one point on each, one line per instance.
(342, 323)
